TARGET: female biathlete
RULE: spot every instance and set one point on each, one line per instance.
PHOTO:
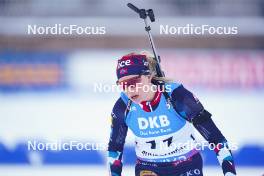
(161, 114)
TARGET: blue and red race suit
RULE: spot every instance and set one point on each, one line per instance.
(164, 136)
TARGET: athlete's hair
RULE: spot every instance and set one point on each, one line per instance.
(152, 66)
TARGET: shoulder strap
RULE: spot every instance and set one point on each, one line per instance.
(128, 107)
(127, 101)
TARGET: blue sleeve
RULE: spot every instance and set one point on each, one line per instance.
(186, 103)
(117, 138)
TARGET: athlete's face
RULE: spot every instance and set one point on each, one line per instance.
(137, 87)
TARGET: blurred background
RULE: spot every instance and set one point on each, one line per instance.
(47, 82)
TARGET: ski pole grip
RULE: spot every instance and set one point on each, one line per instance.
(131, 6)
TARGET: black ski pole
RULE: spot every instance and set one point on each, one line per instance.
(144, 14)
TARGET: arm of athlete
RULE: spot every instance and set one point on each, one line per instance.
(192, 110)
(117, 139)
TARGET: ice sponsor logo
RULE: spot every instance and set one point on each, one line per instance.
(123, 63)
(153, 122)
(128, 62)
